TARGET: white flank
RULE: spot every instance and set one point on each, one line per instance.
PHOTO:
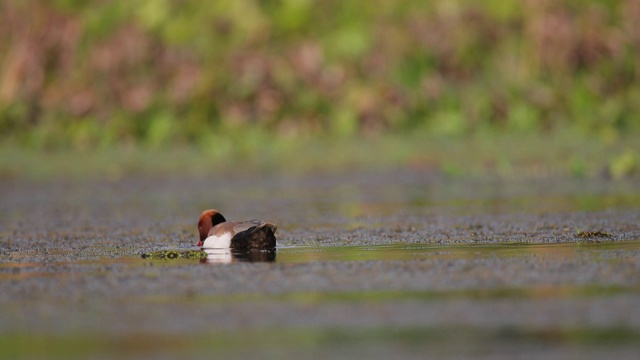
(217, 242)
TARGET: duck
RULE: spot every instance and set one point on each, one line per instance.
(218, 233)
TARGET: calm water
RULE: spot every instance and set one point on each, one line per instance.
(379, 265)
(420, 252)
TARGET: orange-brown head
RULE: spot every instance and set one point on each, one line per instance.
(208, 219)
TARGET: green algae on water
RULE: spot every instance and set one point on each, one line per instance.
(173, 254)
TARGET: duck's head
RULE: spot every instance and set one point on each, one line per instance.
(208, 219)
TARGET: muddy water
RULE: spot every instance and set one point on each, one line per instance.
(376, 265)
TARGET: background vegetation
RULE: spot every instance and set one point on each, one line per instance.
(97, 74)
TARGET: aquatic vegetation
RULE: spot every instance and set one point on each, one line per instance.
(593, 234)
(173, 254)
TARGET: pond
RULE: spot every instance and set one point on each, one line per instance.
(387, 264)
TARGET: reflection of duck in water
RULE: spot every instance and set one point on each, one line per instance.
(242, 236)
(229, 255)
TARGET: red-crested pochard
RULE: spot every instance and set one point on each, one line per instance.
(218, 233)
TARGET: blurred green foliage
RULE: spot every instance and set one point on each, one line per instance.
(89, 74)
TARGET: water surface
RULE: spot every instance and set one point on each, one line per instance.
(395, 264)
(425, 251)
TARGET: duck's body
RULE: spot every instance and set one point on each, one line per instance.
(218, 233)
